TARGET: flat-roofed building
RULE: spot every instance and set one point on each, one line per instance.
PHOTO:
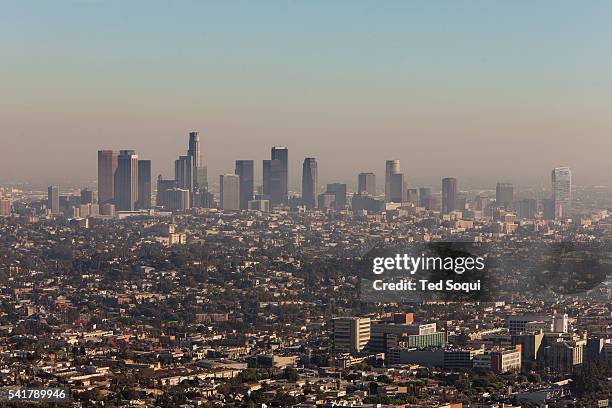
(350, 334)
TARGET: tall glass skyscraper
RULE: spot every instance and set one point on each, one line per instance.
(397, 187)
(194, 148)
(562, 191)
(199, 173)
(183, 172)
(425, 197)
(282, 194)
(366, 183)
(107, 172)
(449, 195)
(504, 195)
(272, 181)
(144, 184)
(244, 170)
(126, 184)
(310, 176)
(53, 201)
(391, 167)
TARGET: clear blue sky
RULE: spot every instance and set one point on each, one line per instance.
(481, 90)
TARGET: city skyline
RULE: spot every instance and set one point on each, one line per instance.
(237, 191)
(306, 203)
(186, 174)
(439, 87)
(415, 179)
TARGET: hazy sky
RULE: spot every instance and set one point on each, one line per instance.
(480, 90)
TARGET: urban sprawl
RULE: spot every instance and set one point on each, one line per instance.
(180, 296)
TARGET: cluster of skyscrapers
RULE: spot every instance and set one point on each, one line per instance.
(125, 184)
(237, 191)
(124, 181)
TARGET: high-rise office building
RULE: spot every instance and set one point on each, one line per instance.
(272, 181)
(199, 171)
(504, 195)
(282, 195)
(366, 183)
(107, 173)
(53, 199)
(366, 202)
(310, 177)
(144, 184)
(565, 356)
(560, 323)
(88, 196)
(194, 148)
(162, 187)
(391, 167)
(5, 206)
(326, 201)
(350, 334)
(397, 188)
(425, 197)
(562, 191)
(528, 208)
(259, 205)
(339, 192)
(108, 209)
(245, 171)
(126, 184)
(449, 195)
(201, 178)
(230, 192)
(548, 209)
(177, 199)
(413, 196)
(183, 172)
(481, 202)
(266, 186)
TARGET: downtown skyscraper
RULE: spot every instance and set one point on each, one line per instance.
(366, 183)
(195, 150)
(425, 197)
(144, 185)
(397, 188)
(245, 171)
(310, 175)
(561, 178)
(184, 172)
(272, 180)
(229, 192)
(280, 192)
(339, 192)
(126, 183)
(199, 173)
(449, 195)
(53, 201)
(504, 195)
(107, 173)
(391, 167)
(190, 173)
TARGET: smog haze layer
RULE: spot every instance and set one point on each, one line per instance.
(482, 91)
